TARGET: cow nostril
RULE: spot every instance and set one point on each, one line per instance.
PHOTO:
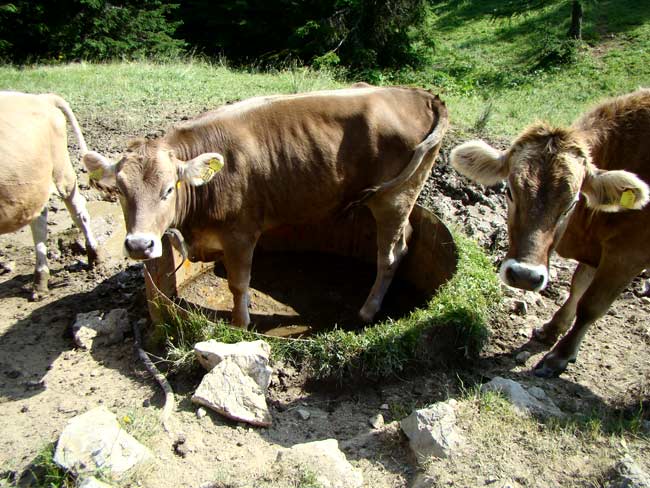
(149, 244)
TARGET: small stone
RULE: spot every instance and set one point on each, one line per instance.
(146, 403)
(384, 406)
(432, 431)
(522, 357)
(533, 401)
(201, 412)
(376, 421)
(7, 267)
(24, 409)
(520, 307)
(303, 413)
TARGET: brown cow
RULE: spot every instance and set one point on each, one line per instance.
(288, 159)
(575, 190)
(34, 161)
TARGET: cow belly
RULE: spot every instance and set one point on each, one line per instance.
(20, 204)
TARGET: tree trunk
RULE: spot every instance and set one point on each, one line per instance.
(575, 31)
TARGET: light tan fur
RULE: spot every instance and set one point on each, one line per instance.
(34, 161)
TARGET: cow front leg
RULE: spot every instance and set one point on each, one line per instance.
(41, 270)
(392, 239)
(76, 204)
(563, 318)
(609, 280)
(238, 259)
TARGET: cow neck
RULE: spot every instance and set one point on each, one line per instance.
(198, 206)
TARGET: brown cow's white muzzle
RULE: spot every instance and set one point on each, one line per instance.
(532, 277)
(140, 245)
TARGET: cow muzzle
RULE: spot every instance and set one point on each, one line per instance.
(532, 277)
(142, 246)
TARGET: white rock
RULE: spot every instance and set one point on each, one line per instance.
(93, 482)
(252, 358)
(95, 441)
(376, 421)
(325, 461)
(629, 475)
(303, 413)
(210, 353)
(535, 401)
(200, 413)
(233, 392)
(92, 327)
(432, 431)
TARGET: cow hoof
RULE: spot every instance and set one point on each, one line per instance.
(545, 335)
(366, 316)
(38, 295)
(550, 366)
(95, 257)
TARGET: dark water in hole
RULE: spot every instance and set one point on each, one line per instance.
(298, 293)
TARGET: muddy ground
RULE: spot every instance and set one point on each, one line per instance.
(45, 380)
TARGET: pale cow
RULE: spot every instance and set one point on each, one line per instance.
(581, 191)
(34, 162)
(286, 159)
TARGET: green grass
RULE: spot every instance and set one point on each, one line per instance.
(130, 97)
(482, 60)
(453, 326)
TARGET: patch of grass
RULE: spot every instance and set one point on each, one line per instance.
(45, 473)
(453, 326)
(141, 423)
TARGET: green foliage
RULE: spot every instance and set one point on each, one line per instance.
(87, 29)
(358, 33)
(45, 473)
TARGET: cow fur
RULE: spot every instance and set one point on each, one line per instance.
(288, 159)
(566, 192)
(34, 162)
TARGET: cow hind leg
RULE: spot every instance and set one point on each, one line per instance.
(609, 280)
(563, 318)
(76, 204)
(393, 233)
(41, 270)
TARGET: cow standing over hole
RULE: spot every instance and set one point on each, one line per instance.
(228, 175)
(34, 162)
(583, 192)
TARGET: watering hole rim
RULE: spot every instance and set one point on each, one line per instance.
(430, 236)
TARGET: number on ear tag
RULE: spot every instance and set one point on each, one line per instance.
(627, 199)
(215, 164)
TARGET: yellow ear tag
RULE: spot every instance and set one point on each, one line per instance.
(627, 199)
(214, 165)
(178, 184)
(97, 174)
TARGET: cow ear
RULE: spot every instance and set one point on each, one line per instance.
(614, 191)
(201, 169)
(101, 170)
(480, 162)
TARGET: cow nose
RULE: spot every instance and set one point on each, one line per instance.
(138, 246)
(523, 275)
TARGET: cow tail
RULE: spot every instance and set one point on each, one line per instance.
(62, 105)
(421, 150)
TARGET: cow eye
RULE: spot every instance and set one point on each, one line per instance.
(167, 192)
(570, 207)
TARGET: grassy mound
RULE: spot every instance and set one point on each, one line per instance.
(453, 326)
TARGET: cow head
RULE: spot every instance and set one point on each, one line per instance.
(546, 170)
(148, 179)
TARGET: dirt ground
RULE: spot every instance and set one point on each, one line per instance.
(45, 380)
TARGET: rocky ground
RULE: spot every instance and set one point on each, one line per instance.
(45, 380)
